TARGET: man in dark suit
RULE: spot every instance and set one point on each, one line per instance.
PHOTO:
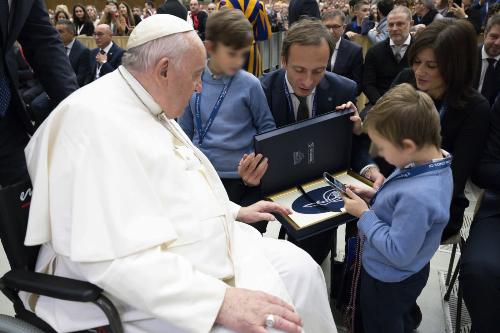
(107, 56)
(488, 75)
(302, 8)
(79, 55)
(386, 59)
(28, 22)
(480, 271)
(347, 58)
(303, 89)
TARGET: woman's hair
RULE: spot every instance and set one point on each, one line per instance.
(85, 18)
(454, 43)
(59, 11)
(130, 15)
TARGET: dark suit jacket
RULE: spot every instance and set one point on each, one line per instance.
(464, 132)
(380, 69)
(79, 58)
(30, 25)
(114, 56)
(333, 90)
(349, 62)
(299, 8)
(479, 67)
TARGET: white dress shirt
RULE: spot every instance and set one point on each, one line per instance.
(69, 47)
(295, 100)
(484, 66)
(402, 48)
(106, 51)
(335, 52)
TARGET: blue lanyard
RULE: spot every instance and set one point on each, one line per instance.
(202, 132)
(415, 171)
(290, 103)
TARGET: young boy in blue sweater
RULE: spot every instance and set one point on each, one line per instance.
(401, 228)
(231, 109)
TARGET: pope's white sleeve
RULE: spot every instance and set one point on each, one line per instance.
(162, 284)
(234, 209)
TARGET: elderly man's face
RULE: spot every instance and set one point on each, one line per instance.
(66, 34)
(398, 26)
(181, 80)
(211, 8)
(194, 6)
(103, 36)
(306, 66)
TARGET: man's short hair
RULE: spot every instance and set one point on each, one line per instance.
(360, 3)
(405, 113)
(229, 27)
(428, 4)
(401, 10)
(385, 6)
(70, 26)
(494, 20)
(332, 15)
(307, 32)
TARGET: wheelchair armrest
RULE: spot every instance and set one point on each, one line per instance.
(51, 286)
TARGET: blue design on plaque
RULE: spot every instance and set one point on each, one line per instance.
(320, 200)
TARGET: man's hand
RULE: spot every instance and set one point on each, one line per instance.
(101, 58)
(252, 168)
(373, 173)
(351, 34)
(246, 311)
(419, 27)
(457, 11)
(356, 119)
(354, 204)
(261, 211)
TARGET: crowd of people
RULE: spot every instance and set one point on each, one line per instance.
(128, 141)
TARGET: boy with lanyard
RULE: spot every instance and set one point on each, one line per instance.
(231, 108)
(400, 230)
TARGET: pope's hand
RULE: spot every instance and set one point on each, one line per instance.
(261, 211)
(246, 311)
(356, 119)
(252, 168)
(353, 204)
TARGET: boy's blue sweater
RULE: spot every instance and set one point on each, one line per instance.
(403, 227)
(243, 113)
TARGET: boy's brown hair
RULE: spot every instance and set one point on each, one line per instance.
(229, 27)
(405, 113)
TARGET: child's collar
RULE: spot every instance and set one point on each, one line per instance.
(413, 164)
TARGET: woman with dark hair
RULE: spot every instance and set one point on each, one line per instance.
(126, 12)
(112, 17)
(83, 24)
(443, 63)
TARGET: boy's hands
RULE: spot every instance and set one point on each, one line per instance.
(354, 204)
(252, 168)
(364, 193)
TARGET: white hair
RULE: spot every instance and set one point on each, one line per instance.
(141, 58)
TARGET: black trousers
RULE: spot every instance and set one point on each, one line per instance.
(480, 273)
(244, 196)
(386, 307)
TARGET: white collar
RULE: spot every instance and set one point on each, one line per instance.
(406, 43)
(290, 88)
(338, 43)
(139, 90)
(485, 55)
(107, 48)
(70, 44)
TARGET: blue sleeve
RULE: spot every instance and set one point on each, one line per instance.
(186, 121)
(400, 242)
(261, 114)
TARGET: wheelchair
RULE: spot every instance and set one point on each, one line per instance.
(14, 210)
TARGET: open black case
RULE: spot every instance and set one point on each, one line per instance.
(298, 155)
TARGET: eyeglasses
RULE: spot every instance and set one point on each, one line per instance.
(99, 34)
(333, 26)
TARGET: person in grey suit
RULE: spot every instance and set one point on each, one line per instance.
(347, 58)
(79, 55)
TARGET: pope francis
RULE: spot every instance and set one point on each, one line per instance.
(122, 199)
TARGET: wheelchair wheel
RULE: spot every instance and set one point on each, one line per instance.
(12, 325)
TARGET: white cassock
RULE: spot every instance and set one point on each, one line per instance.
(126, 202)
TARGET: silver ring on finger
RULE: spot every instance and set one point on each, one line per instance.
(270, 321)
